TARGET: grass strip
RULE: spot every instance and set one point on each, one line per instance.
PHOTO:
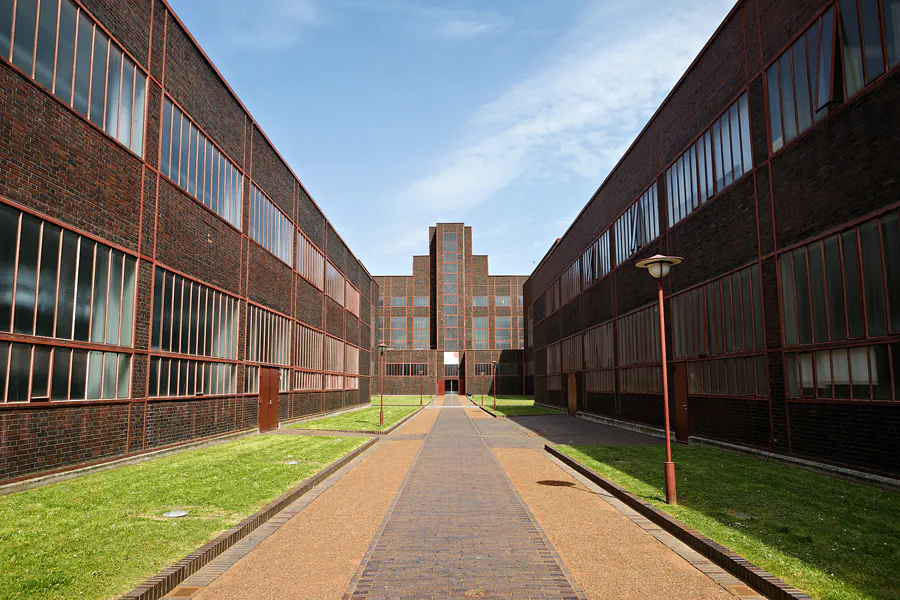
(365, 419)
(833, 539)
(100, 535)
(401, 400)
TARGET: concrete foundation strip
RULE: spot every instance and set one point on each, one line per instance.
(762, 581)
(168, 579)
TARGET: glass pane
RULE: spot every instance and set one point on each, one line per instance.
(891, 239)
(834, 283)
(113, 89)
(60, 386)
(747, 309)
(94, 374)
(735, 140)
(6, 13)
(793, 376)
(184, 145)
(98, 77)
(166, 138)
(79, 374)
(801, 289)
(26, 279)
(41, 372)
(757, 307)
(110, 372)
(46, 302)
(114, 309)
(812, 56)
(852, 285)
(787, 299)
(65, 51)
(23, 52)
(817, 293)
(727, 164)
(717, 156)
(137, 122)
(46, 43)
(868, 10)
(806, 375)
(83, 64)
(801, 85)
(98, 304)
(826, 57)
(841, 373)
(891, 30)
(739, 373)
(19, 373)
(787, 97)
(859, 372)
(873, 287)
(9, 230)
(762, 387)
(83, 290)
(823, 374)
(879, 370)
(192, 163)
(125, 102)
(727, 304)
(850, 47)
(128, 302)
(747, 155)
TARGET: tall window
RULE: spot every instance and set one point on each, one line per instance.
(192, 161)
(716, 160)
(501, 300)
(594, 261)
(398, 301)
(521, 323)
(334, 363)
(638, 226)
(570, 282)
(190, 318)
(420, 301)
(183, 377)
(334, 283)
(310, 358)
(551, 298)
(352, 297)
(398, 333)
(270, 227)
(572, 354)
(503, 332)
(480, 333)
(479, 300)
(598, 359)
(101, 82)
(421, 333)
(65, 286)
(311, 263)
(268, 337)
(638, 342)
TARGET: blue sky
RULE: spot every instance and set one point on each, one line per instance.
(506, 115)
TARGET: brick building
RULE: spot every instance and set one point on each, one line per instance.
(771, 168)
(163, 272)
(445, 325)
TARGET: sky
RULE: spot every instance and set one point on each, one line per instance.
(505, 114)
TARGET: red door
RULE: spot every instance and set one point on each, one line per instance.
(268, 399)
(682, 416)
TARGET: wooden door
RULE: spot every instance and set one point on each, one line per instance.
(440, 387)
(268, 399)
(572, 389)
(682, 416)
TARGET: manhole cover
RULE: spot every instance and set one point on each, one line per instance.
(174, 514)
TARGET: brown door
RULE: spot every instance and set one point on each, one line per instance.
(682, 417)
(268, 399)
(440, 387)
(572, 388)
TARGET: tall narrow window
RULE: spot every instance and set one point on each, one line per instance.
(46, 43)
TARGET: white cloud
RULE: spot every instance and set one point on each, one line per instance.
(264, 24)
(468, 28)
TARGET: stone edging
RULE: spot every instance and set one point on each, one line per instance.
(489, 412)
(760, 580)
(166, 580)
(368, 431)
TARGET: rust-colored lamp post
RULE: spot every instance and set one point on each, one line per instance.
(494, 376)
(482, 386)
(421, 384)
(659, 266)
(381, 349)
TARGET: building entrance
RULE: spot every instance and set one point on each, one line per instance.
(451, 387)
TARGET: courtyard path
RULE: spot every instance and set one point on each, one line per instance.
(457, 504)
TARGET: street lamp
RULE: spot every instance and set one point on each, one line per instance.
(381, 349)
(494, 376)
(659, 266)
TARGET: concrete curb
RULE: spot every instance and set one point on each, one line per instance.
(168, 579)
(369, 431)
(760, 580)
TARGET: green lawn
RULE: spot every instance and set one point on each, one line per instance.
(831, 538)
(401, 400)
(365, 419)
(515, 406)
(100, 535)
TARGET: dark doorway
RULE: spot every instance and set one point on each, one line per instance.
(451, 387)
(268, 399)
(682, 417)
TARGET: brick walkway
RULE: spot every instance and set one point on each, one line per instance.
(458, 529)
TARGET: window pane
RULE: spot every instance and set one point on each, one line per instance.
(747, 155)
(113, 89)
(26, 280)
(137, 123)
(79, 375)
(26, 19)
(787, 97)
(891, 239)
(114, 298)
(841, 373)
(826, 55)
(812, 56)
(46, 302)
(46, 43)
(868, 10)
(850, 47)
(774, 108)
(891, 29)
(110, 370)
(834, 283)
(879, 371)
(66, 297)
(166, 137)
(98, 307)
(801, 289)
(6, 12)
(125, 102)
(717, 156)
(19, 373)
(83, 65)
(851, 283)
(872, 278)
(727, 164)
(127, 302)
(123, 376)
(801, 85)
(83, 290)
(817, 293)
(757, 307)
(60, 383)
(859, 373)
(735, 140)
(98, 77)
(65, 51)
(9, 228)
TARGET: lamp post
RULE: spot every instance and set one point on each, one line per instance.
(482, 387)
(659, 266)
(494, 376)
(381, 349)
(421, 384)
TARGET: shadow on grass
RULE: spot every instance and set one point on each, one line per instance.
(832, 538)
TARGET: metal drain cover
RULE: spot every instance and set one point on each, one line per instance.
(174, 514)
